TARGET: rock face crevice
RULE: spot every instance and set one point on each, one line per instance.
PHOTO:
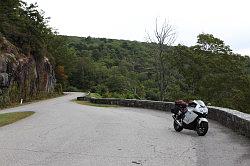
(23, 73)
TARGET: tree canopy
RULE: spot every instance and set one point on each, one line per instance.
(209, 43)
(128, 69)
(119, 68)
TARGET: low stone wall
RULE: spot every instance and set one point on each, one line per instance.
(238, 121)
(157, 105)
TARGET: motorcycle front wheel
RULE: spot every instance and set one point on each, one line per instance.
(177, 127)
(202, 128)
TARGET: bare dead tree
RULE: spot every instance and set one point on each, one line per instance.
(164, 37)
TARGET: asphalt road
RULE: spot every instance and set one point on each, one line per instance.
(63, 133)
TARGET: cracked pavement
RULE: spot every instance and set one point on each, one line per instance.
(63, 133)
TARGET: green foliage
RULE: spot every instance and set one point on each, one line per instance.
(95, 95)
(126, 69)
(25, 26)
(207, 42)
(71, 89)
(58, 88)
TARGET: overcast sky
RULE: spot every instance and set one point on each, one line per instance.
(131, 19)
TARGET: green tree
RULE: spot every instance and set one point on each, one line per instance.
(207, 42)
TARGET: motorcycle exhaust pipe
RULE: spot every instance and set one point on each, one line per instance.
(176, 120)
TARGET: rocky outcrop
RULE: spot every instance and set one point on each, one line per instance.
(29, 76)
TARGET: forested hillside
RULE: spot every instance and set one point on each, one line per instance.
(26, 53)
(208, 70)
(126, 69)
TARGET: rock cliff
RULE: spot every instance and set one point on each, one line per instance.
(22, 74)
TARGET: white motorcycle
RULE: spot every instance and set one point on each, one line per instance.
(192, 116)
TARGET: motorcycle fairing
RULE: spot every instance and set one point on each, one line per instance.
(190, 116)
(202, 120)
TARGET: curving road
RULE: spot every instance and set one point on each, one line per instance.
(63, 133)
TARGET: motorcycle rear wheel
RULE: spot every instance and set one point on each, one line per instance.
(202, 128)
(177, 127)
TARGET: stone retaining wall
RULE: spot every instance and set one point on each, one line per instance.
(232, 119)
(238, 121)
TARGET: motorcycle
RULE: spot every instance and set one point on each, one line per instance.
(192, 116)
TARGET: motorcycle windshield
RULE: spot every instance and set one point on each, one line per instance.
(201, 103)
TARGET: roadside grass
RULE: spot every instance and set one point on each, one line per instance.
(93, 104)
(8, 118)
(95, 95)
